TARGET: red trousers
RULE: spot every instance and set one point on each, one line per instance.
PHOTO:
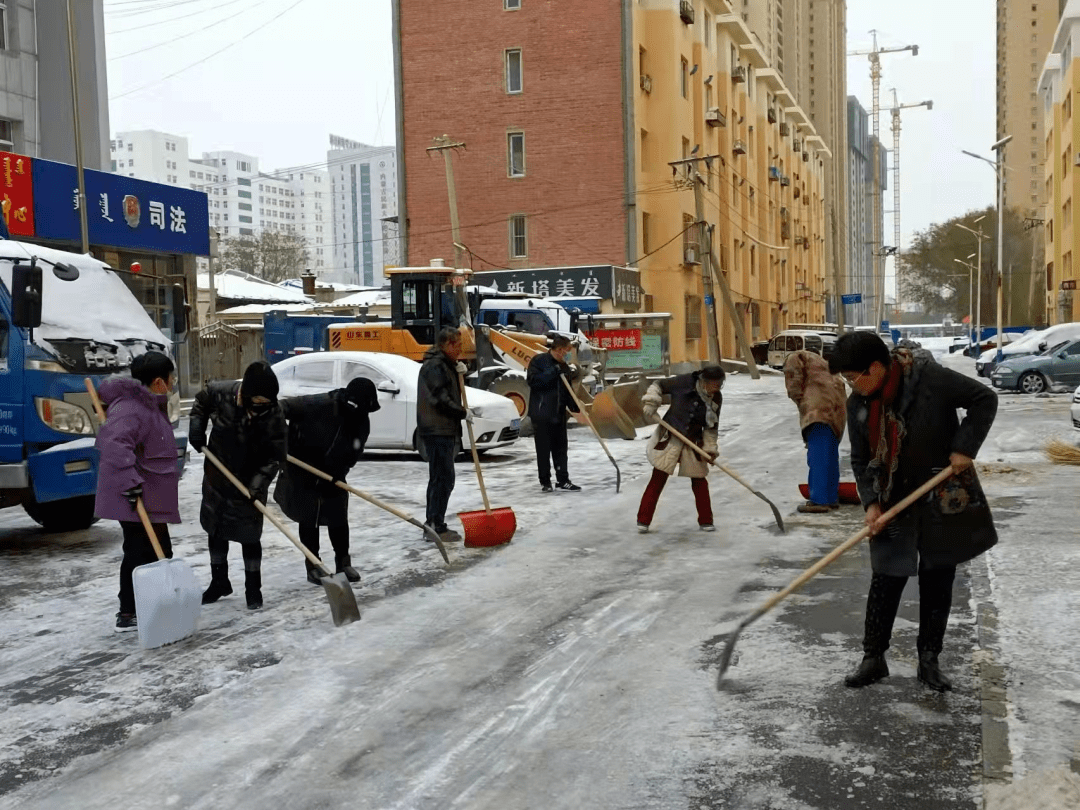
(656, 486)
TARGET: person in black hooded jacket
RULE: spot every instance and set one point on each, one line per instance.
(248, 437)
(327, 431)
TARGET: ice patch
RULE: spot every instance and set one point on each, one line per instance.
(1056, 789)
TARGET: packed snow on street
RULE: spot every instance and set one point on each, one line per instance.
(573, 668)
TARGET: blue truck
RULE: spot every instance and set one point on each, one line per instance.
(64, 317)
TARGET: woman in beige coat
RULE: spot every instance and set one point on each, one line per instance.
(695, 413)
(822, 417)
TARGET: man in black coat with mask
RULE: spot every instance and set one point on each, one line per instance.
(327, 431)
(249, 439)
(549, 404)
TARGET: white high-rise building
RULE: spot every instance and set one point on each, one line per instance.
(363, 183)
(242, 200)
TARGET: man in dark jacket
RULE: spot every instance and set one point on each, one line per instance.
(137, 453)
(438, 421)
(903, 428)
(549, 404)
(249, 439)
(327, 431)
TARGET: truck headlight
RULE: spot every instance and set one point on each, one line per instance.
(174, 407)
(63, 416)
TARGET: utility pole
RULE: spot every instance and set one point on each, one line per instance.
(896, 108)
(978, 307)
(446, 145)
(1035, 225)
(837, 277)
(215, 248)
(875, 78)
(73, 59)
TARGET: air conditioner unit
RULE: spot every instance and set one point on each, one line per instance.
(646, 82)
(738, 73)
(796, 145)
(738, 148)
(690, 255)
(771, 115)
(1076, 162)
(715, 118)
(805, 157)
(785, 129)
(774, 173)
(785, 180)
(686, 11)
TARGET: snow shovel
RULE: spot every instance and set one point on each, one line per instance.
(168, 598)
(492, 527)
(430, 532)
(732, 473)
(343, 607)
(581, 410)
(820, 565)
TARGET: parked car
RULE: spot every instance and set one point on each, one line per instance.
(1059, 365)
(793, 340)
(393, 426)
(1030, 344)
(1074, 411)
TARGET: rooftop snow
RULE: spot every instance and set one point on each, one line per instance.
(244, 287)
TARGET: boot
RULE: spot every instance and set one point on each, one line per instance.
(253, 589)
(930, 674)
(344, 566)
(219, 583)
(871, 670)
(314, 573)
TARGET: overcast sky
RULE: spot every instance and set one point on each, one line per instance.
(294, 71)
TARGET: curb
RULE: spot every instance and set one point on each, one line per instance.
(996, 755)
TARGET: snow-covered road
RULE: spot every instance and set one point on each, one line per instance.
(573, 668)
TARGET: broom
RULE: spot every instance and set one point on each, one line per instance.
(1061, 452)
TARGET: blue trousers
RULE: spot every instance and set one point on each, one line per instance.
(823, 458)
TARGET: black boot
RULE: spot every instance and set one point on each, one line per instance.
(219, 584)
(314, 573)
(930, 674)
(344, 566)
(253, 589)
(871, 670)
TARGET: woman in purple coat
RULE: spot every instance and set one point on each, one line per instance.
(138, 459)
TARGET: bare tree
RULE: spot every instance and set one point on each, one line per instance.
(273, 255)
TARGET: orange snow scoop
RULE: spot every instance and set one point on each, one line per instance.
(492, 527)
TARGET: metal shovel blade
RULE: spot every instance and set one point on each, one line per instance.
(168, 600)
(343, 607)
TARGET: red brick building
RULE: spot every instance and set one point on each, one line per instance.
(535, 90)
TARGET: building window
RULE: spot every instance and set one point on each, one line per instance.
(7, 136)
(519, 242)
(515, 142)
(684, 78)
(513, 70)
(645, 163)
(693, 317)
(646, 241)
(512, 5)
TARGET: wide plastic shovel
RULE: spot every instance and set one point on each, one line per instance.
(821, 565)
(168, 598)
(732, 473)
(430, 532)
(492, 527)
(339, 593)
(581, 410)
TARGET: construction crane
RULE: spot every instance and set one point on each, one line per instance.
(875, 79)
(896, 108)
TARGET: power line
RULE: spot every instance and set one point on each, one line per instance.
(207, 27)
(173, 19)
(210, 56)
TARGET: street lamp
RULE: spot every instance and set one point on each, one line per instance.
(970, 268)
(999, 170)
(978, 307)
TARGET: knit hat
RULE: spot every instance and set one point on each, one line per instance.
(361, 394)
(259, 381)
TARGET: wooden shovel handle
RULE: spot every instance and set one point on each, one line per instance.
(472, 445)
(95, 399)
(832, 556)
(262, 508)
(581, 410)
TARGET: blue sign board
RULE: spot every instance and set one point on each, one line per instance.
(122, 212)
(853, 298)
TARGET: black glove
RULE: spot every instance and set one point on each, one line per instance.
(259, 488)
(566, 370)
(197, 443)
(133, 495)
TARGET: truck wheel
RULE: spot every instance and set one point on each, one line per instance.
(516, 390)
(69, 515)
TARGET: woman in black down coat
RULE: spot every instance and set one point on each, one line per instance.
(327, 431)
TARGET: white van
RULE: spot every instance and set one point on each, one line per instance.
(794, 340)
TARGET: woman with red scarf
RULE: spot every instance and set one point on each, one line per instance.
(904, 429)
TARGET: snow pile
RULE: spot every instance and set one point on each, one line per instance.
(1018, 441)
(958, 362)
(95, 306)
(937, 346)
(239, 286)
(1057, 789)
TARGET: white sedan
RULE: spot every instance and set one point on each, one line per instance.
(393, 426)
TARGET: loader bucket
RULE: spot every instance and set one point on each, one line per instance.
(616, 411)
